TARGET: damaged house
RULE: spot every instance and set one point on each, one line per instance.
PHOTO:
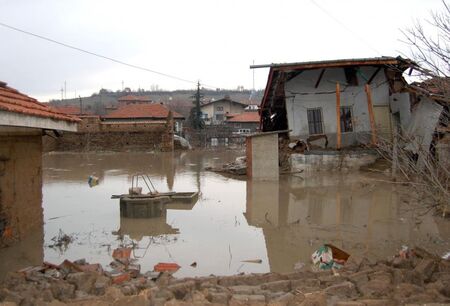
(341, 103)
(350, 103)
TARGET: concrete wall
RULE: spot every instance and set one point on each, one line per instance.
(262, 157)
(20, 186)
(331, 161)
(400, 103)
(301, 94)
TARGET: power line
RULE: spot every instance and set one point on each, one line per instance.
(102, 56)
(345, 27)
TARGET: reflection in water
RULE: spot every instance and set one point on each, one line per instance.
(350, 211)
(280, 223)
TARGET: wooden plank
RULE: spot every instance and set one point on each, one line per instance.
(320, 78)
(371, 115)
(338, 116)
(373, 75)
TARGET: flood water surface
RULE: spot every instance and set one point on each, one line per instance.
(234, 221)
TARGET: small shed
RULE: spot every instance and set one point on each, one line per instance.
(23, 122)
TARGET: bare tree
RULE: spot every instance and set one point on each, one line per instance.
(430, 49)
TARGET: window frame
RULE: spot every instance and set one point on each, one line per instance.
(312, 126)
(345, 129)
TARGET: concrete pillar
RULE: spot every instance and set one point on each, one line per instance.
(262, 156)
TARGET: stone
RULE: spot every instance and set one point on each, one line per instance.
(11, 296)
(282, 285)
(164, 293)
(218, 297)
(129, 289)
(359, 278)
(314, 299)
(62, 290)
(113, 293)
(344, 289)
(136, 300)
(331, 280)
(100, 285)
(181, 289)
(244, 289)
(251, 300)
(282, 300)
(349, 303)
(401, 263)
(83, 281)
(426, 268)
(378, 302)
(47, 295)
(308, 282)
(354, 263)
(381, 276)
(375, 288)
(405, 290)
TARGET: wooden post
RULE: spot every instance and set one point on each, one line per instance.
(371, 116)
(395, 153)
(338, 116)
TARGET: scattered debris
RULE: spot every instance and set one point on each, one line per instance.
(328, 257)
(238, 167)
(258, 261)
(93, 181)
(299, 265)
(422, 278)
(166, 267)
(61, 241)
(122, 253)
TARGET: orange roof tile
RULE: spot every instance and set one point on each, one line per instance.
(70, 110)
(245, 117)
(150, 110)
(13, 101)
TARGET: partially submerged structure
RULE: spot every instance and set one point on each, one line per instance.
(23, 122)
(349, 103)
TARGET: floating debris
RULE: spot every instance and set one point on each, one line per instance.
(166, 267)
(258, 261)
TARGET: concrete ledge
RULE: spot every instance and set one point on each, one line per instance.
(332, 161)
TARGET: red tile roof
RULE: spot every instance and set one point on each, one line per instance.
(70, 110)
(245, 117)
(13, 101)
(149, 110)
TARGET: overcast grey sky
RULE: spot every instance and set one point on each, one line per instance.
(214, 41)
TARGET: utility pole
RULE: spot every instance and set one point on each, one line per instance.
(62, 94)
(196, 114)
(81, 105)
(65, 90)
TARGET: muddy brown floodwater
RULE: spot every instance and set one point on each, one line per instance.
(280, 223)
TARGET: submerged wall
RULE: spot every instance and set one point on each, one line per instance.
(20, 187)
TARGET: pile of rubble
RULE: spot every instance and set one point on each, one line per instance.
(238, 167)
(416, 277)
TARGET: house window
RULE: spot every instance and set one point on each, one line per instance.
(315, 121)
(204, 115)
(346, 119)
(219, 117)
(244, 131)
(219, 108)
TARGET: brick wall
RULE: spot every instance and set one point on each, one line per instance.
(95, 135)
(20, 187)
